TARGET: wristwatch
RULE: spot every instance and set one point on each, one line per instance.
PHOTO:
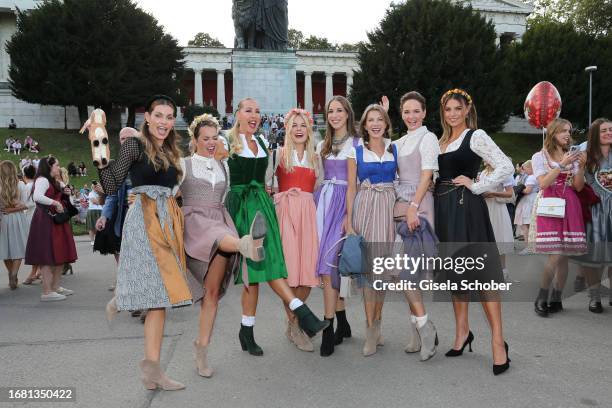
(413, 204)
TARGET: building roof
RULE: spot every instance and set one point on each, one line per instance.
(500, 6)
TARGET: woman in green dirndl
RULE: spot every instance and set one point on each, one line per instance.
(249, 169)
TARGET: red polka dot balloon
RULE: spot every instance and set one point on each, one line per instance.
(543, 105)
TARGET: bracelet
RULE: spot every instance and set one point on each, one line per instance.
(413, 204)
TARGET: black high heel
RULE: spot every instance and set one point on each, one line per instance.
(500, 368)
(247, 341)
(467, 342)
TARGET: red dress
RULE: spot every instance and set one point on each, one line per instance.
(50, 243)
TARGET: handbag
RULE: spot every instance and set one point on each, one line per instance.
(551, 207)
(63, 217)
(351, 255)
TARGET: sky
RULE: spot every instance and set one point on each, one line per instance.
(339, 21)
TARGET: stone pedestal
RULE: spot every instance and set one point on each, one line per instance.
(267, 76)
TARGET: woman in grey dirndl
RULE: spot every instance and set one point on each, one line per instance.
(152, 267)
(212, 245)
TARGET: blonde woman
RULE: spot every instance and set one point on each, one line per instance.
(560, 174)
(249, 168)
(297, 169)
(461, 214)
(211, 241)
(13, 221)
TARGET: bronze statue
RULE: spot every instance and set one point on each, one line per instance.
(260, 24)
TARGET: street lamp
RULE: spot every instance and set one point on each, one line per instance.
(590, 70)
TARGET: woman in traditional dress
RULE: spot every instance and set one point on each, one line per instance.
(461, 214)
(297, 170)
(417, 159)
(249, 169)
(152, 265)
(524, 208)
(50, 245)
(211, 241)
(560, 173)
(374, 165)
(332, 221)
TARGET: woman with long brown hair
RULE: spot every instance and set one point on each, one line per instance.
(13, 222)
(152, 265)
(461, 214)
(560, 174)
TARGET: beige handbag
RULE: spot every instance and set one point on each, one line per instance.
(551, 207)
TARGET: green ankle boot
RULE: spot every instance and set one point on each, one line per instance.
(247, 341)
(309, 322)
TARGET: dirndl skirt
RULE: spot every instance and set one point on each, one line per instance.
(152, 265)
(13, 235)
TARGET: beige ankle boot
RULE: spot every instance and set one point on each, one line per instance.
(414, 340)
(380, 340)
(369, 347)
(299, 338)
(111, 309)
(251, 245)
(201, 357)
(153, 377)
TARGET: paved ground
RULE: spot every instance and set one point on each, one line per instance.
(563, 361)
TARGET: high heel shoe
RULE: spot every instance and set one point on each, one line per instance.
(500, 368)
(251, 246)
(201, 358)
(467, 342)
(308, 322)
(247, 341)
(111, 309)
(153, 377)
(344, 328)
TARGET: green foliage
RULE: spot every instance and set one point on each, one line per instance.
(431, 46)
(191, 111)
(102, 53)
(295, 38)
(297, 41)
(589, 16)
(205, 40)
(556, 52)
(316, 43)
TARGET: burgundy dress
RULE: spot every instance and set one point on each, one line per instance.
(49, 243)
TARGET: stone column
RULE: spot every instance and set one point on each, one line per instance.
(329, 86)
(308, 91)
(221, 92)
(349, 83)
(198, 93)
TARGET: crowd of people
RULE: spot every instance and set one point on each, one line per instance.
(256, 215)
(15, 146)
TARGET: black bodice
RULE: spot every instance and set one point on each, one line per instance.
(461, 162)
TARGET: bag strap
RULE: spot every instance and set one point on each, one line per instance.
(332, 247)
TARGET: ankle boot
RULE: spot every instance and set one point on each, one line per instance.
(328, 341)
(343, 330)
(541, 303)
(153, 377)
(414, 341)
(369, 347)
(595, 301)
(308, 321)
(299, 338)
(247, 341)
(111, 309)
(201, 357)
(429, 340)
(251, 246)
(380, 340)
(555, 304)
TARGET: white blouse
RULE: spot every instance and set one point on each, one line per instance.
(200, 165)
(541, 166)
(485, 147)
(429, 148)
(40, 188)
(246, 152)
(370, 156)
(344, 152)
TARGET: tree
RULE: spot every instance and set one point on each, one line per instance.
(295, 38)
(348, 47)
(542, 55)
(111, 54)
(431, 46)
(590, 16)
(205, 40)
(316, 43)
(191, 111)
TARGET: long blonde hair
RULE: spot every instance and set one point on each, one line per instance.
(235, 142)
(554, 127)
(169, 154)
(329, 130)
(289, 147)
(9, 184)
(472, 118)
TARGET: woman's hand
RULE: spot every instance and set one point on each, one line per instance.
(463, 181)
(59, 208)
(347, 227)
(569, 158)
(131, 199)
(384, 102)
(489, 194)
(101, 223)
(412, 219)
(582, 160)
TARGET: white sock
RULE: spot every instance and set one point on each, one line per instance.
(248, 321)
(295, 303)
(420, 321)
(413, 319)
